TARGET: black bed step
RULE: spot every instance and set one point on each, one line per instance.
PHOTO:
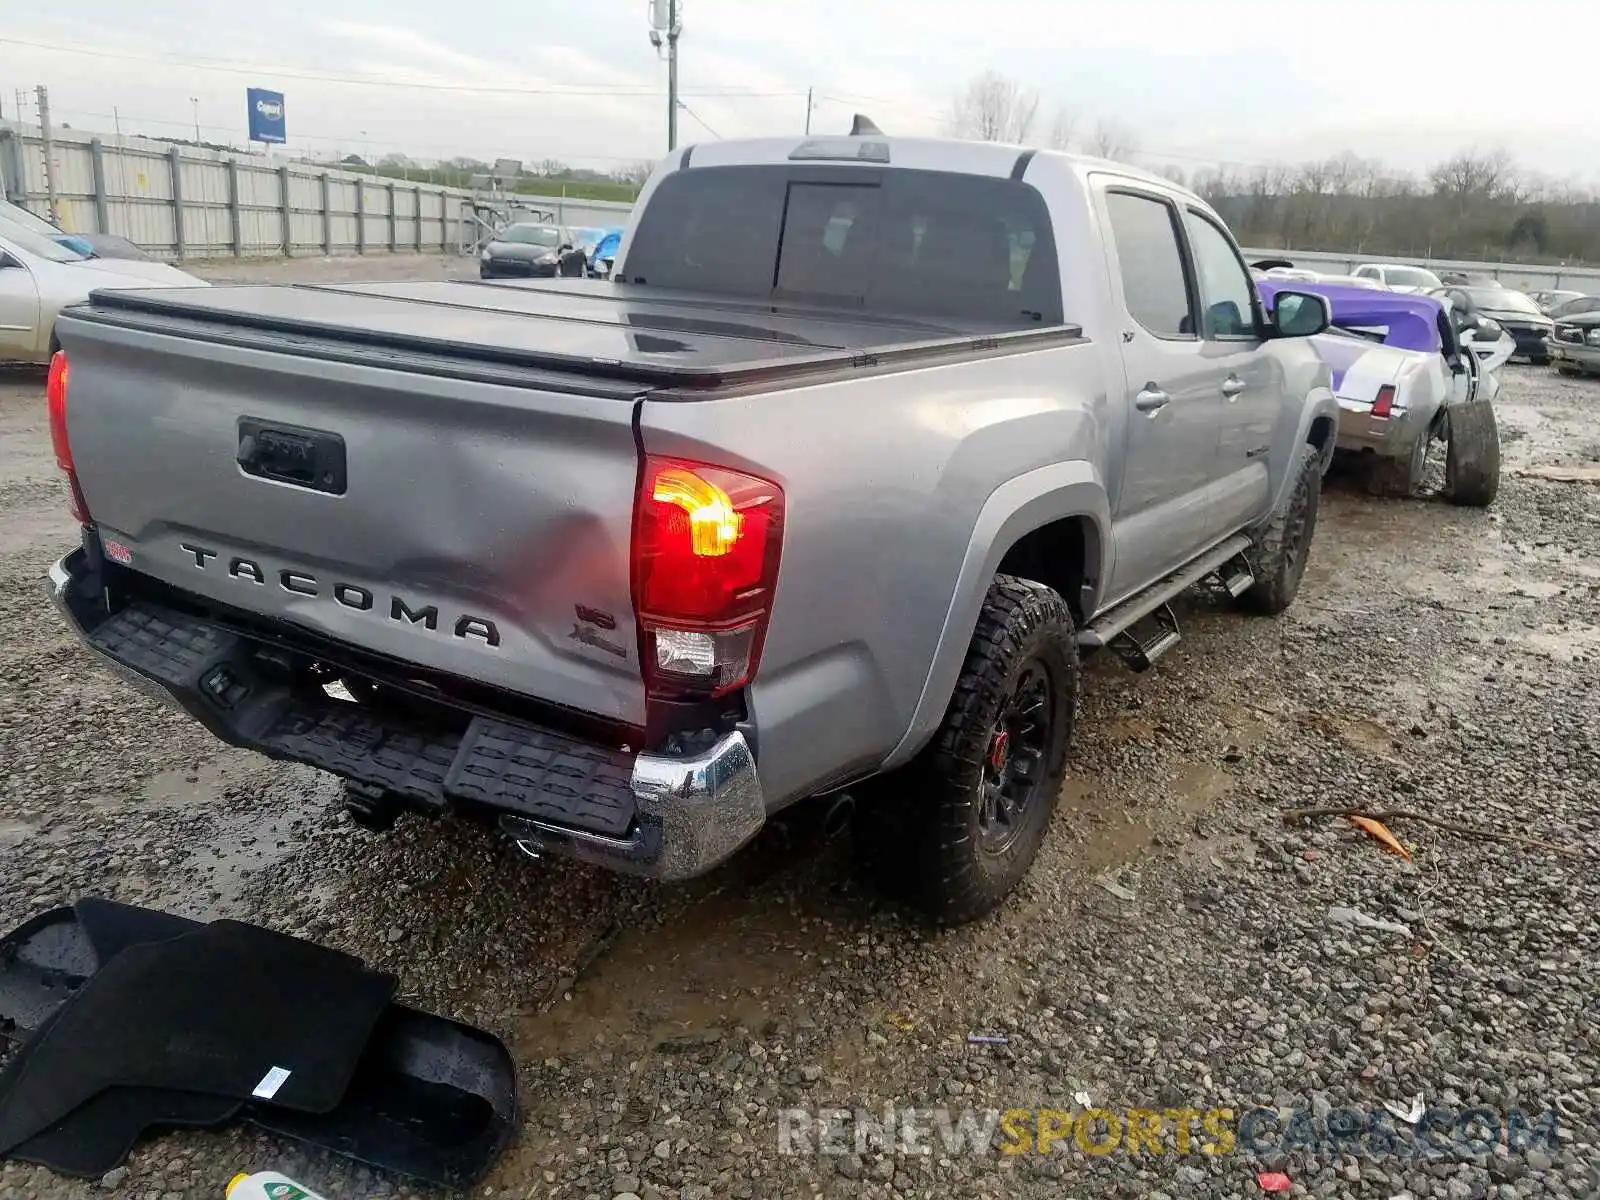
(241, 691)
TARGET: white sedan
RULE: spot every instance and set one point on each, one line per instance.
(39, 277)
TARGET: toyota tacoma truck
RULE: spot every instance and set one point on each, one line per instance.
(829, 490)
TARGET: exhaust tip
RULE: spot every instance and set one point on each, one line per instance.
(839, 815)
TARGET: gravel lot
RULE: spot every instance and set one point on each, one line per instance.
(1173, 948)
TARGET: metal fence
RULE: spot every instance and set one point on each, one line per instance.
(186, 202)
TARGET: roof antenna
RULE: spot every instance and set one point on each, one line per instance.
(862, 126)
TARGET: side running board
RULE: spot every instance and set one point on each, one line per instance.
(1141, 647)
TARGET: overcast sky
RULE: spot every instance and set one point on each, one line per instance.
(1198, 83)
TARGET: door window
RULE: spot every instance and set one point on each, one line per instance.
(1224, 282)
(1150, 260)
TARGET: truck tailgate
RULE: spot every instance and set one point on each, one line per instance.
(468, 526)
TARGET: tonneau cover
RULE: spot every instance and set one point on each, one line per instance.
(622, 331)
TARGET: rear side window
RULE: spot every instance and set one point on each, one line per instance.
(931, 243)
(1151, 263)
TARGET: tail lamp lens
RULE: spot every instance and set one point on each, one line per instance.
(706, 542)
(1384, 404)
(55, 393)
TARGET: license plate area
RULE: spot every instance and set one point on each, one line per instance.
(308, 458)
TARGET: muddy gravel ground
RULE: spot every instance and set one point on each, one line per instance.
(1179, 945)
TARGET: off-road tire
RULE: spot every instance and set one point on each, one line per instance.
(1398, 478)
(1569, 372)
(918, 829)
(1472, 461)
(1282, 545)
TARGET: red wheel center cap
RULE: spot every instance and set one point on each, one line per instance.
(999, 750)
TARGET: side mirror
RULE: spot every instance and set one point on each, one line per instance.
(1300, 314)
(566, 247)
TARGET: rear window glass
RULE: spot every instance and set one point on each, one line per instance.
(892, 241)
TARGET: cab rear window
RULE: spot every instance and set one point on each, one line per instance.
(890, 241)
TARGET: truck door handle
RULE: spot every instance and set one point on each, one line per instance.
(1151, 399)
(1232, 386)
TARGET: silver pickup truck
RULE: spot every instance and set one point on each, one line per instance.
(867, 442)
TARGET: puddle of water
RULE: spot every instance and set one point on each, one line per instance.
(719, 966)
(185, 787)
(214, 876)
(1565, 645)
(1369, 737)
(217, 870)
(1112, 832)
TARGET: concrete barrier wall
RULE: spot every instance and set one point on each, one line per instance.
(1522, 276)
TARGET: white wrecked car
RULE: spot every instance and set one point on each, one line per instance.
(39, 277)
(1406, 373)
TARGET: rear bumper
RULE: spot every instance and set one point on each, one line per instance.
(660, 816)
(1394, 436)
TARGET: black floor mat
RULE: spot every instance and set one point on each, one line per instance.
(48, 958)
(96, 1137)
(433, 1099)
(42, 962)
(430, 1098)
(230, 1010)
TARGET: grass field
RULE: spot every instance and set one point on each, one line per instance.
(572, 189)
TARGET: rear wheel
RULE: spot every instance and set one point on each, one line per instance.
(1472, 464)
(956, 830)
(1400, 477)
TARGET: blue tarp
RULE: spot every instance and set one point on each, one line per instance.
(606, 247)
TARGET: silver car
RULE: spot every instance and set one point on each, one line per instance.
(39, 277)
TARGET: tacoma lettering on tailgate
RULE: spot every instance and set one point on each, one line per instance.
(350, 595)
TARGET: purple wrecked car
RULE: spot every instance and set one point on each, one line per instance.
(1408, 373)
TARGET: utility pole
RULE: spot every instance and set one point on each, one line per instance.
(195, 101)
(672, 75)
(809, 106)
(49, 147)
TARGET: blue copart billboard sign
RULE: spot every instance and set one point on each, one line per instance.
(266, 115)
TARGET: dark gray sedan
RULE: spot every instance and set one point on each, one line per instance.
(527, 249)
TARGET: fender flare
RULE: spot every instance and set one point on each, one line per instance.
(1320, 402)
(1016, 507)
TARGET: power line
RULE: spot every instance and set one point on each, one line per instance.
(700, 119)
(352, 140)
(623, 91)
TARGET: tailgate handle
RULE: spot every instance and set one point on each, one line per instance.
(292, 454)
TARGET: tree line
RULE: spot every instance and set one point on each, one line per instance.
(1475, 204)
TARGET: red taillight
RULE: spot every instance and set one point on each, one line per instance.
(55, 395)
(706, 541)
(1384, 404)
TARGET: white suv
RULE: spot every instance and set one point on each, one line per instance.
(1398, 277)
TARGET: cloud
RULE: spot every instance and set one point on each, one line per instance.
(1405, 81)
